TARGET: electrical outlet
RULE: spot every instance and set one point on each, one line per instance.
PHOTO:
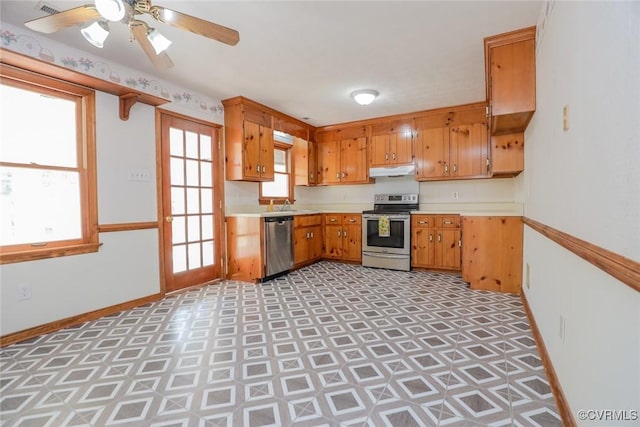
(141, 175)
(24, 292)
(527, 276)
(454, 195)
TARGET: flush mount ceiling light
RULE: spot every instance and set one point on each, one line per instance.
(113, 10)
(159, 42)
(96, 33)
(364, 96)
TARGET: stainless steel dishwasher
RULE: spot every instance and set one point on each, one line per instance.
(278, 241)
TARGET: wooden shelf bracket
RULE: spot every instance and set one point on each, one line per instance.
(127, 101)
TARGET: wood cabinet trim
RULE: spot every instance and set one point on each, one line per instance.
(624, 269)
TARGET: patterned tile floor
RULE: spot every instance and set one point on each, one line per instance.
(327, 345)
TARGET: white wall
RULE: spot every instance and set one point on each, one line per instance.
(586, 182)
(243, 196)
(127, 264)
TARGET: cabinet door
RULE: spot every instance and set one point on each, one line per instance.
(352, 242)
(353, 160)
(400, 148)
(379, 150)
(469, 150)
(432, 153)
(251, 151)
(333, 241)
(266, 153)
(301, 161)
(513, 85)
(448, 249)
(422, 247)
(313, 163)
(300, 245)
(315, 242)
(329, 162)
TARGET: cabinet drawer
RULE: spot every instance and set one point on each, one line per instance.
(306, 220)
(335, 219)
(449, 221)
(423, 221)
(352, 219)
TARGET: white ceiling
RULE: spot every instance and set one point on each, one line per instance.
(304, 58)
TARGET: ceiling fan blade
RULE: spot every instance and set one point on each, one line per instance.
(195, 25)
(161, 60)
(52, 23)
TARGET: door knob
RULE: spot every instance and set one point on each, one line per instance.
(168, 218)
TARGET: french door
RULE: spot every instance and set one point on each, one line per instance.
(192, 216)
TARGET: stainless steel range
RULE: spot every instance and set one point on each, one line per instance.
(386, 231)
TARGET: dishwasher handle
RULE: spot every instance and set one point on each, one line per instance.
(279, 219)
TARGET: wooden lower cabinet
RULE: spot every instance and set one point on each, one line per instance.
(435, 242)
(244, 248)
(307, 239)
(492, 253)
(343, 237)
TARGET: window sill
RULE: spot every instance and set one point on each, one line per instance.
(44, 253)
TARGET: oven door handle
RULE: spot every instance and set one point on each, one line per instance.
(384, 255)
(391, 217)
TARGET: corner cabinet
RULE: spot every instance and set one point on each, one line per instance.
(248, 141)
(492, 253)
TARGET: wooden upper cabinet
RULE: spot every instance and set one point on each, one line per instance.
(304, 159)
(511, 80)
(343, 162)
(391, 143)
(452, 152)
(353, 161)
(249, 142)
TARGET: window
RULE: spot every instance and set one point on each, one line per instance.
(47, 168)
(281, 188)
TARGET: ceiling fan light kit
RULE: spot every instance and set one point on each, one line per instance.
(96, 33)
(112, 10)
(159, 42)
(94, 18)
(364, 96)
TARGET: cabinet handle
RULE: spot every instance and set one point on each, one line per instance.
(439, 237)
(311, 234)
(307, 235)
(394, 156)
(264, 169)
(446, 168)
(431, 238)
(345, 234)
(339, 233)
(344, 174)
(338, 175)
(386, 156)
(459, 243)
(352, 220)
(455, 168)
(422, 222)
(332, 220)
(488, 165)
(257, 168)
(448, 222)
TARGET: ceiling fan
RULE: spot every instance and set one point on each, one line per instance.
(98, 15)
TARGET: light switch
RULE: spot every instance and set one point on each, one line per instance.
(565, 118)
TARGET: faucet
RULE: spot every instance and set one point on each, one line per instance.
(286, 206)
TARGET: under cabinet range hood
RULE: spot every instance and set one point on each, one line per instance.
(392, 171)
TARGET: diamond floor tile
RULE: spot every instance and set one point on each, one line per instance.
(328, 345)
